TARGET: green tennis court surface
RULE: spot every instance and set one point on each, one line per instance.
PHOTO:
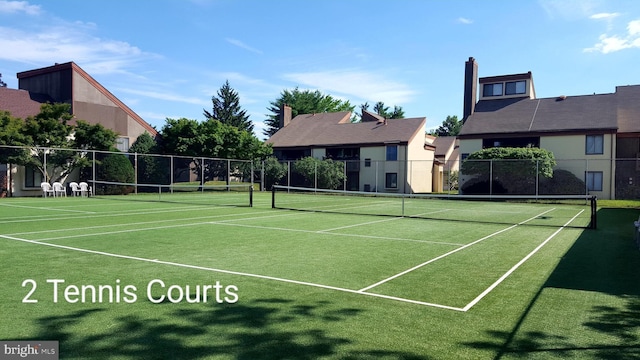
(207, 276)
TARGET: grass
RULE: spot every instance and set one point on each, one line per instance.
(298, 274)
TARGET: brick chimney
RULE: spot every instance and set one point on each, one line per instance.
(285, 115)
(470, 87)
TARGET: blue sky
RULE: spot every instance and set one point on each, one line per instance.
(167, 58)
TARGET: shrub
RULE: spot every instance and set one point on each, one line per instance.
(115, 168)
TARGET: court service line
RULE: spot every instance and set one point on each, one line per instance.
(510, 271)
(107, 214)
(48, 208)
(449, 253)
(130, 224)
(379, 221)
(265, 277)
(224, 222)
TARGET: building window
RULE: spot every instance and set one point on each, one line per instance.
(492, 89)
(515, 87)
(392, 152)
(367, 162)
(32, 177)
(594, 180)
(595, 145)
(391, 181)
(122, 144)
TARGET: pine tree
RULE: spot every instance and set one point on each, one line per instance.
(226, 109)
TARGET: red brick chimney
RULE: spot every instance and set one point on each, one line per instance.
(470, 87)
(285, 115)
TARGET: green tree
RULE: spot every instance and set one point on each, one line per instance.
(514, 170)
(226, 109)
(274, 171)
(211, 139)
(450, 127)
(302, 102)
(50, 129)
(12, 134)
(382, 110)
(328, 173)
(115, 167)
(151, 169)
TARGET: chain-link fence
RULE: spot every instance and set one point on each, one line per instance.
(107, 172)
(607, 178)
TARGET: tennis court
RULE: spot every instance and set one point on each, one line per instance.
(437, 253)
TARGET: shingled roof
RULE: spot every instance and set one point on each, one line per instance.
(335, 129)
(615, 112)
(19, 103)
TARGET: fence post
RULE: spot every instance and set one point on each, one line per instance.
(135, 172)
(315, 175)
(376, 176)
(344, 181)
(537, 177)
(93, 173)
(171, 173)
(288, 174)
(228, 173)
(490, 177)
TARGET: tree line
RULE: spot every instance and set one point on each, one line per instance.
(225, 132)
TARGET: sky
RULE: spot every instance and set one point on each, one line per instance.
(167, 58)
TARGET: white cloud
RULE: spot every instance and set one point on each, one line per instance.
(12, 7)
(62, 44)
(463, 20)
(606, 16)
(613, 43)
(242, 45)
(364, 85)
(569, 9)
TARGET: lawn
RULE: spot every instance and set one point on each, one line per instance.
(149, 277)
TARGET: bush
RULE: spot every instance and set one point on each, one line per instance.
(115, 168)
(563, 182)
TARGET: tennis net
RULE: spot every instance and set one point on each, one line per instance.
(240, 194)
(550, 210)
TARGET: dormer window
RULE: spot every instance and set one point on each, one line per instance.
(492, 89)
(507, 86)
(516, 87)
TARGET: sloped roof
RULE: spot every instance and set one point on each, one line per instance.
(443, 144)
(77, 69)
(334, 129)
(19, 103)
(547, 115)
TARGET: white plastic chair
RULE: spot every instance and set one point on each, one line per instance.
(75, 188)
(59, 190)
(85, 189)
(46, 189)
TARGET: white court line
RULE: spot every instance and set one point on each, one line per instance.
(225, 222)
(503, 277)
(108, 214)
(155, 261)
(449, 253)
(379, 221)
(47, 208)
(128, 224)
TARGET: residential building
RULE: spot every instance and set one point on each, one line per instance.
(89, 100)
(587, 134)
(446, 164)
(380, 155)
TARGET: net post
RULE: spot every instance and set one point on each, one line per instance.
(251, 195)
(594, 212)
(273, 197)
